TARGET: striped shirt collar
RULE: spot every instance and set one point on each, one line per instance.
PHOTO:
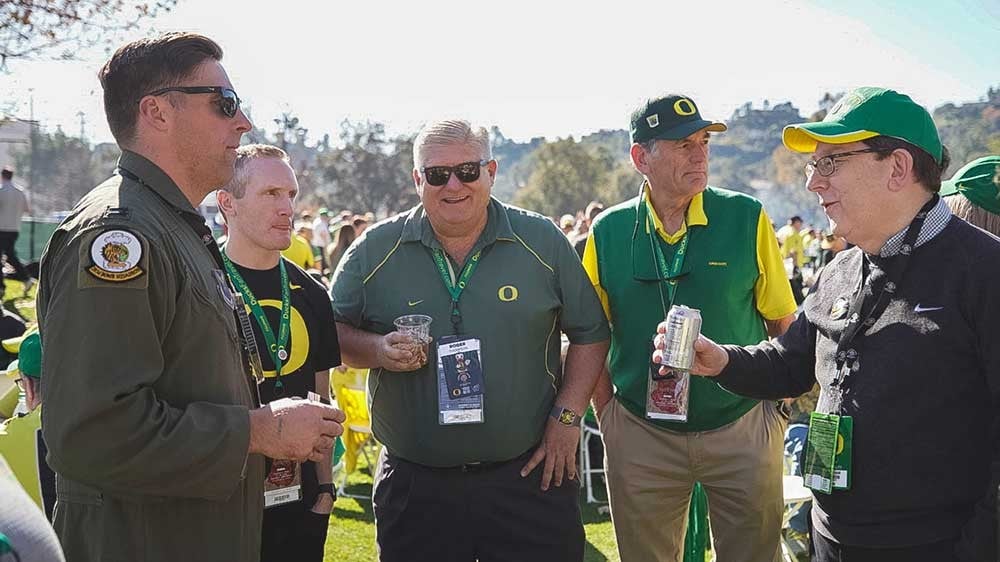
(935, 222)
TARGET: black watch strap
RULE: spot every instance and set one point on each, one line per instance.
(328, 488)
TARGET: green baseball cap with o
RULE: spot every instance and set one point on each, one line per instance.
(671, 117)
(29, 356)
(865, 113)
(977, 181)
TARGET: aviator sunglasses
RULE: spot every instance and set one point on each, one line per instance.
(466, 172)
(228, 102)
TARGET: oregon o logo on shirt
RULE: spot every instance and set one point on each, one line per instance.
(507, 293)
(298, 339)
(684, 106)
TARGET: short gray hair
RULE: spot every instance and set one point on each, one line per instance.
(451, 132)
(244, 154)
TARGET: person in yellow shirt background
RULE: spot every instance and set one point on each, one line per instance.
(793, 252)
(21, 443)
(300, 252)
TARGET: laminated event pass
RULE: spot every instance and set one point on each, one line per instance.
(827, 464)
(461, 384)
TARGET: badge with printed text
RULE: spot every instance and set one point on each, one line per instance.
(115, 256)
(461, 383)
(283, 484)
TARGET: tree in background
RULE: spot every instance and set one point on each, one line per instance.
(370, 172)
(66, 168)
(566, 177)
(41, 27)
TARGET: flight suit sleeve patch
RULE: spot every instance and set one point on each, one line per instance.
(114, 256)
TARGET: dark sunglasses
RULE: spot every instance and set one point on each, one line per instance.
(466, 172)
(229, 102)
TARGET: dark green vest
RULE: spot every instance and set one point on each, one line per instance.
(717, 278)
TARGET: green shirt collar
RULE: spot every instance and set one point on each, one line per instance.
(417, 227)
(155, 178)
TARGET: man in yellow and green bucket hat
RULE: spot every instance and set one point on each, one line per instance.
(900, 332)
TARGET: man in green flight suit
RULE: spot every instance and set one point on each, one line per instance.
(152, 417)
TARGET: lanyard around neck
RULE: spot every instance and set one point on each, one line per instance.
(669, 274)
(278, 349)
(455, 288)
(860, 319)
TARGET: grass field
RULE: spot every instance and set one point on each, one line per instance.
(352, 529)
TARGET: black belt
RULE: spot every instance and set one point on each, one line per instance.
(478, 466)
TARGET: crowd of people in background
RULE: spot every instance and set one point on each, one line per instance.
(184, 422)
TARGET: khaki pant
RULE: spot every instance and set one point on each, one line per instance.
(651, 472)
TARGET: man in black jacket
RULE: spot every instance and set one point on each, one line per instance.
(900, 333)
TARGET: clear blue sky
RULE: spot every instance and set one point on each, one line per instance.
(550, 68)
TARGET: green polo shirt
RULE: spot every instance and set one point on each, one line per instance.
(732, 273)
(528, 287)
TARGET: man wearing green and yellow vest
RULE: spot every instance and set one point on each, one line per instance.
(682, 242)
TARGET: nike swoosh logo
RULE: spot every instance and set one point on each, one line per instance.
(919, 308)
(414, 303)
(293, 286)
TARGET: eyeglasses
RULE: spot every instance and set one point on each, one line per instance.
(229, 102)
(827, 165)
(466, 172)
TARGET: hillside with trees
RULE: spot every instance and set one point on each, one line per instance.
(367, 169)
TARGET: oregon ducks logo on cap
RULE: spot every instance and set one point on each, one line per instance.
(684, 106)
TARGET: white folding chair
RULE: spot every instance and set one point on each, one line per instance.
(587, 471)
(796, 496)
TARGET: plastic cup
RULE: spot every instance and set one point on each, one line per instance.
(418, 327)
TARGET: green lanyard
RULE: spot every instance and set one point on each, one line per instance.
(455, 289)
(278, 349)
(670, 273)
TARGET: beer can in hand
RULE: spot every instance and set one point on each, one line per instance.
(667, 395)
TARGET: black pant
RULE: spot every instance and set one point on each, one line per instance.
(828, 551)
(796, 283)
(293, 532)
(489, 514)
(7, 240)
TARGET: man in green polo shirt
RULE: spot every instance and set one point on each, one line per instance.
(682, 242)
(477, 429)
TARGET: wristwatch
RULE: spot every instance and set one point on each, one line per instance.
(328, 488)
(565, 416)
